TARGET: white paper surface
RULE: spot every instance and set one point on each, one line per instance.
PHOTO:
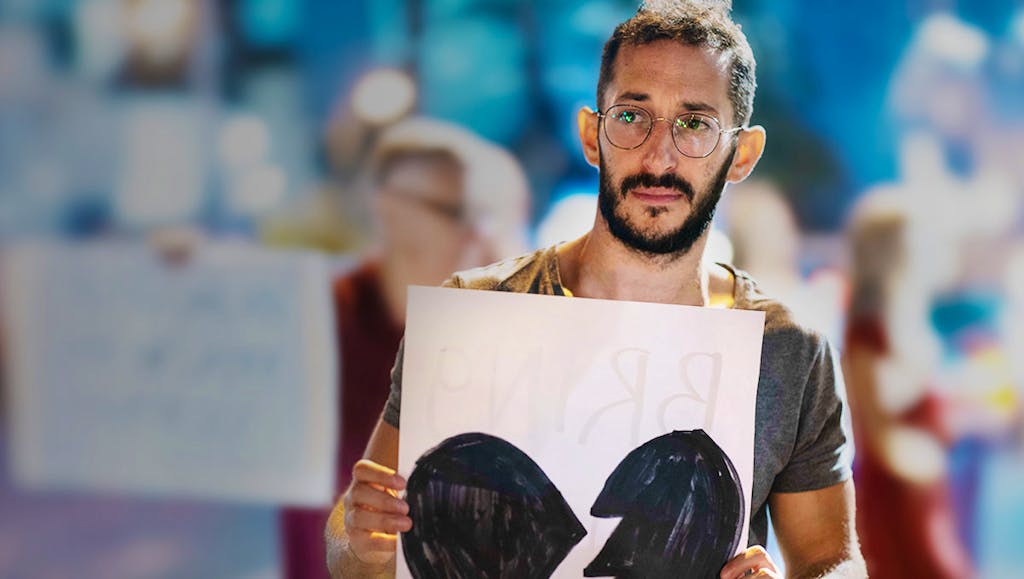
(215, 378)
(577, 384)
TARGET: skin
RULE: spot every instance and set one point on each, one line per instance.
(815, 529)
(421, 239)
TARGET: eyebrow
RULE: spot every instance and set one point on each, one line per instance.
(688, 106)
(634, 96)
(699, 107)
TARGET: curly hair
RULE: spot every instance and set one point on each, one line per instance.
(699, 24)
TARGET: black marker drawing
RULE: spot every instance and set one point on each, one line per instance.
(481, 508)
(681, 505)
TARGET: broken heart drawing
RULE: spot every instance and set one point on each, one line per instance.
(482, 508)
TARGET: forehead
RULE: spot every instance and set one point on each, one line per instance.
(671, 75)
(429, 177)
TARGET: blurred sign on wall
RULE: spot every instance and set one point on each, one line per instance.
(212, 378)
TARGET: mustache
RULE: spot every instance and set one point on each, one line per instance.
(667, 181)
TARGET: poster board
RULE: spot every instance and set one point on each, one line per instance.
(213, 378)
(576, 385)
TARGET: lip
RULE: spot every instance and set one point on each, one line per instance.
(656, 195)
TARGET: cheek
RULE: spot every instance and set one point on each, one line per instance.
(387, 209)
(432, 233)
(400, 221)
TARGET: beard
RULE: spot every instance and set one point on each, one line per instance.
(677, 241)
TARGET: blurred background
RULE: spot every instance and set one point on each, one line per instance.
(887, 209)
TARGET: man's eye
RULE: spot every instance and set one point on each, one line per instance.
(692, 123)
(628, 117)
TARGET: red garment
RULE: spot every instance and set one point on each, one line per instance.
(906, 529)
(367, 341)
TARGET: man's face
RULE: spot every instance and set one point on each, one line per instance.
(421, 207)
(653, 198)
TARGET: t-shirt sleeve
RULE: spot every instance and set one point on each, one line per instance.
(393, 408)
(823, 453)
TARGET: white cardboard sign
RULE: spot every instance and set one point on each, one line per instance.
(214, 378)
(577, 384)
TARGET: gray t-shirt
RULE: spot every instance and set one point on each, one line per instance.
(802, 435)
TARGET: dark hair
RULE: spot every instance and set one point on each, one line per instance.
(693, 24)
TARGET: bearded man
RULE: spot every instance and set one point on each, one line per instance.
(671, 130)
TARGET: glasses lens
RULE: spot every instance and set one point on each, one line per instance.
(626, 126)
(696, 135)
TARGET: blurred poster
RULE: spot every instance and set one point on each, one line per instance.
(572, 436)
(211, 378)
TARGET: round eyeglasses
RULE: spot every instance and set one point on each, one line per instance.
(695, 135)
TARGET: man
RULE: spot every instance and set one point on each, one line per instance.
(675, 95)
(429, 208)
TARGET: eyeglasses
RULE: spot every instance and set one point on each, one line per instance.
(695, 135)
(452, 211)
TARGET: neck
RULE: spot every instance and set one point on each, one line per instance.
(394, 287)
(598, 265)
(400, 270)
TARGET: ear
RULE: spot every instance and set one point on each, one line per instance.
(749, 146)
(587, 122)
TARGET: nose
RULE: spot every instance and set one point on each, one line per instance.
(660, 154)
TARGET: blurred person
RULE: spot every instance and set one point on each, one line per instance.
(443, 199)
(689, 65)
(957, 159)
(960, 171)
(766, 243)
(905, 516)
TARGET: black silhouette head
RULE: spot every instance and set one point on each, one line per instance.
(481, 508)
(681, 506)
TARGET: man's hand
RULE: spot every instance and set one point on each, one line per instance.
(360, 533)
(374, 513)
(754, 562)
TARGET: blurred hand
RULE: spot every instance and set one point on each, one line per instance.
(374, 513)
(754, 562)
(175, 245)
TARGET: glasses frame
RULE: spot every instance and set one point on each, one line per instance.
(671, 122)
(454, 212)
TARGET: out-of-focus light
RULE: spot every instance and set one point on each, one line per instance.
(995, 203)
(915, 455)
(1018, 26)
(258, 191)
(953, 41)
(383, 96)
(270, 23)
(568, 218)
(719, 248)
(161, 171)
(1010, 326)
(1015, 275)
(473, 72)
(244, 140)
(99, 30)
(161, 27)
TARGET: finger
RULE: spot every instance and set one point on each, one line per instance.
(753, 560)
(369, 472)
(753, 572)
(367, 496)
(371, 547)
(365, 520)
